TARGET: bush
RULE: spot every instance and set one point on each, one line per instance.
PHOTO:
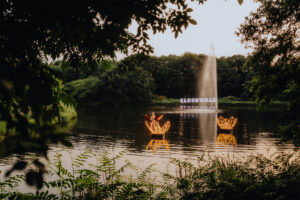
(83, 89)
(231, 98)
(256, 177)
(119, 85)
(116, 85)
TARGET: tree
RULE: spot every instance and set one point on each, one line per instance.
(175, 76)
(82, 31)
(273, 31)
(233, 76)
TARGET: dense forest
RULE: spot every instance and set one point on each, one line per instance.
(140, 78)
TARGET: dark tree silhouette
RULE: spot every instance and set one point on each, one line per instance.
(273, 31)
(82, 31)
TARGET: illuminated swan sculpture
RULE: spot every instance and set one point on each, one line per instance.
(153, 125)
(226, 123)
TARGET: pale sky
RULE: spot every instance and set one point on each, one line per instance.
(217, 22)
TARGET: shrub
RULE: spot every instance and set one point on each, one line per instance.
(256, 177)
(119, 86)
(114, 86)
(83, 89)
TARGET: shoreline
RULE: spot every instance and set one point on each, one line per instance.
(176, 102)
(221, 102)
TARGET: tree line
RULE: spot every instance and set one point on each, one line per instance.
(140, 79)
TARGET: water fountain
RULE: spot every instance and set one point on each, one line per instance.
(207, 82)
(205, 106)
(207, 93)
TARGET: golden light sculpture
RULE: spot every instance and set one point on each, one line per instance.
(226, 139)
(154, 126)
(156, 144)
(226, 123)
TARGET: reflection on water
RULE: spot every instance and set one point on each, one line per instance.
(114, 129)
(124, 128)
(157, 144)
(226, 139)
(119, 128)
(207, 127)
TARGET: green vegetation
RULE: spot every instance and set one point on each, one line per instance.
(114, 86)
(30, 34)
(226, 101)
(89, 31)
(82, 89)
(234, 77)
(225, 178)
(136, 78)
(275, 61)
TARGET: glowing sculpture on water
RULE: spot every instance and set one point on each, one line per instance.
(226, 139)
(226, 123)
(156, 144)
(154, 126)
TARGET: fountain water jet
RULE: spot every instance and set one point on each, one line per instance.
(207, 89)
(207, 81)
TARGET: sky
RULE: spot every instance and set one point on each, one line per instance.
(217, 21)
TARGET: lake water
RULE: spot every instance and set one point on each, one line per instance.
(114, 129)
(192, 130)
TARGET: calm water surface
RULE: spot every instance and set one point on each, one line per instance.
(117, 128)
(114, 129)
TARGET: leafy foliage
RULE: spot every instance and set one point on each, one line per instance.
(81, 33)
(117, 85)
(121, 85)
(257, 177)
(274, 32)
(234, 77)
(82, 89)
(173, 76)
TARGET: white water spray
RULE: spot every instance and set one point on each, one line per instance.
(207, 80)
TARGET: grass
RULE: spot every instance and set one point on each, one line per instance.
(221, 102)
(166, 102)
(210, 178)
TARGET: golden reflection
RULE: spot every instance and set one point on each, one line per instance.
(157, 144)
(226, 123)
(226, 139)
(154, 126)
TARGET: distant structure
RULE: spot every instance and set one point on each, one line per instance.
(207, 84)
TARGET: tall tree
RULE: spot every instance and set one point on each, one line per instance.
(81, 31)
(274, 31)
(233, 76)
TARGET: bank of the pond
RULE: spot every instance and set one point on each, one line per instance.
(205, 177)
(221, 102)
(176, 102)
(68, 117)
